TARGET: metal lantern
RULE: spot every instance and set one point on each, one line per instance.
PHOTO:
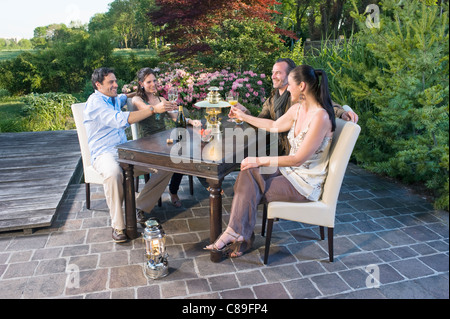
(213, 105)
(154, 237)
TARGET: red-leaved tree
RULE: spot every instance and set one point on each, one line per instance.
(185, 23)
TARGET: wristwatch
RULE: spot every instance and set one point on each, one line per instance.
(152, 109)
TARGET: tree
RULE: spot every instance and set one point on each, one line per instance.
(401, 71)
(321, 19)
(187, 23)
(248, 44)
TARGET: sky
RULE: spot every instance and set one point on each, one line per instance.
(19, 18)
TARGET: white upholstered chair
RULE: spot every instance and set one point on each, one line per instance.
(322, 212)
(90, 174)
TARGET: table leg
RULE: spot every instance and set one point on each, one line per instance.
(130, 201)
(215, 218)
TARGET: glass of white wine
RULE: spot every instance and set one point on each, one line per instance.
(173, 97)
(233, 98)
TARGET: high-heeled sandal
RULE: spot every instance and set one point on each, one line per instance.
(225, 248)
(241, 247)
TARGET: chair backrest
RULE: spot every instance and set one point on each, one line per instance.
(77, 110)
(344, 141)
(135, 126)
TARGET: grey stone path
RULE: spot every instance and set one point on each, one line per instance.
(381, 229)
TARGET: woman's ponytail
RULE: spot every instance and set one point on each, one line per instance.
(323, 96)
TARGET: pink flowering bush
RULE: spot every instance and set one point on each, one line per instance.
(193, 85)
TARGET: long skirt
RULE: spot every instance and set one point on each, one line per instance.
(252, 188)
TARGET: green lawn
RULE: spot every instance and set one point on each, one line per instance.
(140, 53)
(11, 54)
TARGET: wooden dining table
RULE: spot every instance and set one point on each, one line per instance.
(212, 160)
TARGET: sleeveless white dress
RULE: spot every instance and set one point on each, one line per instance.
(308, 178)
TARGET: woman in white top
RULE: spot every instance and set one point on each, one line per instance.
(299, 176)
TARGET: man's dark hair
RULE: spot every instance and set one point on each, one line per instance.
(99, 75)
(291, 64)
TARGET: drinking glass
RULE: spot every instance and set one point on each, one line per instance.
(173, 97)
(232, 98)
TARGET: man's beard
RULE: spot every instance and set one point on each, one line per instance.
(281, 85)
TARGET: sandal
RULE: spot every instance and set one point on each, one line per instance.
(225, 248)
(240, 247)
(175, 202)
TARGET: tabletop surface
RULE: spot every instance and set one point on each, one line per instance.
(212, 159)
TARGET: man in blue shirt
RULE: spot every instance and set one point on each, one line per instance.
(105, 127)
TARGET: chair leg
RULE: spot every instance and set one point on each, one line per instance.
(88, 195)
(264, 219)
(268, 238)
(191, 185)
(330, 243)
(136, 186)
(322, 232)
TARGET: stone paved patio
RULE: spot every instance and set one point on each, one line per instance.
(380, 225)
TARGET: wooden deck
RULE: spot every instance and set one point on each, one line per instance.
(35, 170)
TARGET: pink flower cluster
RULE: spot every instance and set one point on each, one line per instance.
(193, 85)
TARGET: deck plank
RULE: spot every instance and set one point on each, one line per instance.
(35, 170)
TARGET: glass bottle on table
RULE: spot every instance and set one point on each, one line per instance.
(180, 123)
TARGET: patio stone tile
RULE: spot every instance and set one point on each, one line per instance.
(301, 289)
(12, 288)
(127, 276)
(421, 233)
(123, 294)
(242, 293)
(207, 268)
(437, 262)
(271, 291)
(308, 251)
(180, 269)
(249, 278)
(405, 290)
(18, 270)
(89, 281)
(27, 242)
(359, 259)
(396, 237)
(149, 292)
(330, 284)
(113, 259)
(197, 286)
(84, 262)
(412, 268)
(75, 237)
(45, 286)
(365, 205)
(279, 255)
(281, 273)
(370, 294)
(310, 268)
(435, 285)
(51, 266)
(223, 282)
(369, 241)
(355, 278)
(404, 252)
(388, 274)
(173, 289)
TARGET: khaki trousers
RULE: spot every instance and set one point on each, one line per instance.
(108, 166)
